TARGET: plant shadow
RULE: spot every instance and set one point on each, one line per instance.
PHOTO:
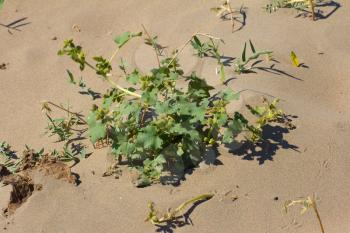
(241, 18)
(273, 70)
(175, 175)
(320, 14)
(272, 141)
(179, 222)
(15, 25)
(94, 95)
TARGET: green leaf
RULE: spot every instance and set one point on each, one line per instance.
(259, 111)
(197, 41)
(149, 138)
(160, 159)
(134, 77)
(198, 88)
(122, 39)
(229, 95)
(252, 46)
(234, 128)
(130, 108)
(222, 73)
(126, 148)
(149, 97)
(243, 53)
(162, 107)
(97, 130)
(227, 137)
(103, 66)
(71, 78)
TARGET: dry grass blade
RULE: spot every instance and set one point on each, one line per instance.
(173, 215)
(223, 10)
(307, 203)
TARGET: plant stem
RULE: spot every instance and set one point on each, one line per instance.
(66, 110)
(121, 88)
(231, 14)
(153, 44)
(114, 54)
(113, 83)
(188, 41)
(314, 206)
(192, 201)
(312, 6)
(173, 215)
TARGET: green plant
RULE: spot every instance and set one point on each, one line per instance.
(82, 85)
(154, 121)
(173, 215)
(201, 48)
(5, 149)
(307, 203)
(265, 115)
(8, 156)
(153, 42)
(15, 164)
(274, 5)
(66, 129)
(240, 63)
(209, 48)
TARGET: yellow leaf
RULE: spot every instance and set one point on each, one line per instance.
(294, 58)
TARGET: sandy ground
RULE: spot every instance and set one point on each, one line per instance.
(313, 158)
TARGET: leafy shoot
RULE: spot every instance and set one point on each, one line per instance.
(241, 63)
(266, 114)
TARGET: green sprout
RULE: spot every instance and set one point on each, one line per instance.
(241, 63)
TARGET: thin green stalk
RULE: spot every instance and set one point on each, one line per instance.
(113, 83)
(153, 44)
(66, 110)
(121, 88)
(114, 54)
(188, 41)
(314, 206)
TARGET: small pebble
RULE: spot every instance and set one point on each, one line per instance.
(3, 66)
(275, 198)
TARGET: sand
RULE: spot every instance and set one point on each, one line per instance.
(250, 188)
